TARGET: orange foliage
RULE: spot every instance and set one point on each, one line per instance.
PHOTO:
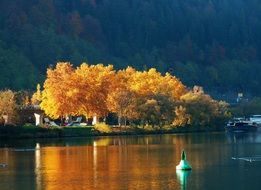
(7, 105)
(37, 96)
(152, 82)
(96, 90)
(132, 88)
(122, 100)
(94, 82)
(57, 99)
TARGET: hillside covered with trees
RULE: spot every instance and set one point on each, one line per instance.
(215, 43)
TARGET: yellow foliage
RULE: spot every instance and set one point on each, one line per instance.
(152, 82)
(7, 105)
(102, 127)
(182, 118)
(122, 100)
(37, 96)
(55, 100)
(203, 109)
(97, 90)
(93, 86)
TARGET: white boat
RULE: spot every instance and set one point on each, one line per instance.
(240, 125)
(255, 119)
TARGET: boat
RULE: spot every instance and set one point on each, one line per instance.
(241, 125)
(256, 119)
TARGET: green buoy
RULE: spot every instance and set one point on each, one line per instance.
(183, 164)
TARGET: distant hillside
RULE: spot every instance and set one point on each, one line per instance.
(214, 43)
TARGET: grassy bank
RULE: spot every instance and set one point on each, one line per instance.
(40, 132)
(61, 132)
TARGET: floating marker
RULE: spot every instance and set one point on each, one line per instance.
(183, 164)
(3, 165)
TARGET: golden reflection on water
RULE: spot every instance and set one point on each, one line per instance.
(100, 166)
(110, 163)
(116, 163)
(37, 166)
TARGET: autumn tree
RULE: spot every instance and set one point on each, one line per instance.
(182, 118)
(153, 82)
(7, 107)
(159, 93)
(124, 103)
(204, 111)
(57, 95)
(122, 100)
(37, 96)
(91, 88)
(80, 91)
(145, 95)
(156, 110)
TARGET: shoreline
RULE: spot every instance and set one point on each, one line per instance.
(33, 132)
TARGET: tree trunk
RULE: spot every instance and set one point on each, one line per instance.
(61, 124)
(119, 121)
(125, 122)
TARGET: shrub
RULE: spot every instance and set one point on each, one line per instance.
(102, 127)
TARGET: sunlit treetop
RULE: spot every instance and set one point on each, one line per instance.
(95, 90)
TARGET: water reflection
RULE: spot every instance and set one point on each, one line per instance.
(182, 176)
(37, 168)
(116, 141)
(243, 137)
(147, 162)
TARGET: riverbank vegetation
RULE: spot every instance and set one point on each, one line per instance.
(135, 97)
(32, 131)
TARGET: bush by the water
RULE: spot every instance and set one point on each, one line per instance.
(102, 127)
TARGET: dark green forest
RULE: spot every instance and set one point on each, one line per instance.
(212, 43)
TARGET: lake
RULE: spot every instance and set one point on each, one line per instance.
(128, 162)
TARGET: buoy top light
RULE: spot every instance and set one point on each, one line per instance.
(183, 155)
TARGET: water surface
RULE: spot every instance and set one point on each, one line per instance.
(142, 162)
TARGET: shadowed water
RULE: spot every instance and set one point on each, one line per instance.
(143, 162)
